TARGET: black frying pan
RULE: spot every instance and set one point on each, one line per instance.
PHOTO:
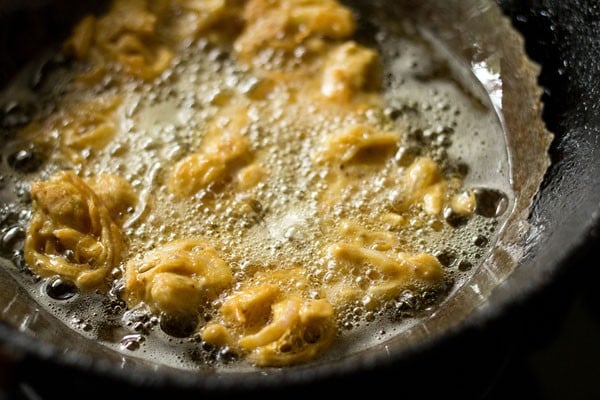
(564, 38)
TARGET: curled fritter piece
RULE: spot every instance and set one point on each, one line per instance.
(274, 325)
(211, 167)
(283, 25)
(82, 128)
(298, 330)
(385, 274)
(359, 143)
(349, 69)
(126, 35)
(188, 19)
(116, 194)
(176, 278)
(72, 232)
(376, 240)
(425, 185)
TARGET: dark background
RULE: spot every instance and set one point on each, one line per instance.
(557, 353)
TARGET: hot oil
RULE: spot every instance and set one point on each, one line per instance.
(279, 221)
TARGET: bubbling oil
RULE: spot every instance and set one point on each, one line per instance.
(161, 121)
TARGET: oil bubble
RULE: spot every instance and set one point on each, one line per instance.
(11, 240)
(16, 115)
(480, 241)
(178, 326)
(131, 342)
(25, 160)
(60, 289)
(454, 219)
(491, 203)
(446, 257)
(464, 265)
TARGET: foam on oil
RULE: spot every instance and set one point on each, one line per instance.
(161, 122)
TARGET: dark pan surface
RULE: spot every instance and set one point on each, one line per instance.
(564, 37)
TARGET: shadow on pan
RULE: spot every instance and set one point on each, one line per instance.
(485, 359)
